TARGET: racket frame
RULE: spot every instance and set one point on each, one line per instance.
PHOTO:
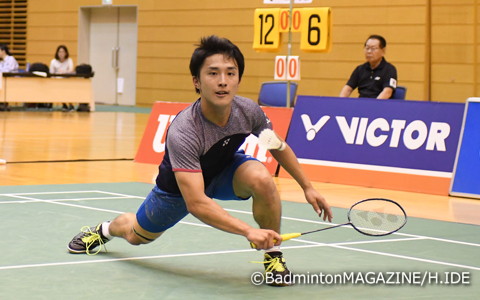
(375, 199)
(288, 236)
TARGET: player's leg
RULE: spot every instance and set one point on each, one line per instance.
(253, 179)
(247, 177)
(158, 212)
(126, 226)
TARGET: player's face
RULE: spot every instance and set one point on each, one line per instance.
(373, 52)
(219, 80)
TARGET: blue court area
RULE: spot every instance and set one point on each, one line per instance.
(426, 259)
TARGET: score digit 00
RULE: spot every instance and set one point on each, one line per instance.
(314, 25)
(287, 68)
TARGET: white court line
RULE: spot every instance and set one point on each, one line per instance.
(117, 194)
(314, 244)
(395, 233)
(286, 218)
(60, 199)
(341, 245)
(231, 210)
(68, 204)
(95, 208)
(431, 261)
(49, 193)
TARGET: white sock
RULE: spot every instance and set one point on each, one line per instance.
(274, 249)
(105, 230)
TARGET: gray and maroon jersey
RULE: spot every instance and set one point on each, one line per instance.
(194, 144)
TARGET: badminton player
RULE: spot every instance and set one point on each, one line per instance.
(202, 162)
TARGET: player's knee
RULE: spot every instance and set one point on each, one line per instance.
(136, 240)
(140, 237)
(262, 184)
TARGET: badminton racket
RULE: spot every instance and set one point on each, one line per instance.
(269, 139)
(372, 217)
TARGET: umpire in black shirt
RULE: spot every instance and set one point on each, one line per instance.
(376, 78)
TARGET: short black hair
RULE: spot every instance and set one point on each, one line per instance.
(4, 47)
(381, 39)
(58, 49)
(211, 45)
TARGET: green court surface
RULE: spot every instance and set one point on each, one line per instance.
(426, 259)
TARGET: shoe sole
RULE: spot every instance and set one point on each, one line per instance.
(73, 251)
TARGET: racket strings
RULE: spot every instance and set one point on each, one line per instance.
(378, 217)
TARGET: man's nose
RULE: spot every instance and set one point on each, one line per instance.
(223, 80)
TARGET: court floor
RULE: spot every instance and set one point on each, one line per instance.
(427, 259)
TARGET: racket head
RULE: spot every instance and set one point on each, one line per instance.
(377, 216)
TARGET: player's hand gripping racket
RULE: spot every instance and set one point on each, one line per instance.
(269, 139)
(372, 217)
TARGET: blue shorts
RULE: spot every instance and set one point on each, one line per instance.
(161, 210)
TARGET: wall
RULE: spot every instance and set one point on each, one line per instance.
(433, 43)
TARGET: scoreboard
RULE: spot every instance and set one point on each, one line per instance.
(313, 23)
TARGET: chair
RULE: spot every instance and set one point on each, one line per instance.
(274, 93)
(399, 93)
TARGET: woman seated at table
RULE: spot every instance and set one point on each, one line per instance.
(62, 64)
(8, 63)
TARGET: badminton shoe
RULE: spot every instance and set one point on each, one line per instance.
(276, 271)
(87, 240)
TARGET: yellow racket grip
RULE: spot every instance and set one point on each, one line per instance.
(285, 237)
(288, 236)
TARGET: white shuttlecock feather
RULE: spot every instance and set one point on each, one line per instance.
(270, 140)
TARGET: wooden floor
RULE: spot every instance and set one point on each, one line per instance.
(62, 148)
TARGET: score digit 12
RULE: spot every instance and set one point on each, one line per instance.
(266, 30)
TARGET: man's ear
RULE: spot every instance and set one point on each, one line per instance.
(196, 82)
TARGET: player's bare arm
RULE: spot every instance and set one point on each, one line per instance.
(208, 211)
(289, 162)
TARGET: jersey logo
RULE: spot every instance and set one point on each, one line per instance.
(393, 82)
(225, 142)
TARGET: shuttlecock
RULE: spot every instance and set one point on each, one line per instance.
(270, 140)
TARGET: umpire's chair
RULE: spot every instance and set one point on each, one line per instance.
(274, 93)
(399, 93)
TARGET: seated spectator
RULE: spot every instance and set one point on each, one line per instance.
(8, 63)
(62, 64)
(376, 78)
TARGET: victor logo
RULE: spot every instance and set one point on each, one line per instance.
(313, 129)
(376, 132)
